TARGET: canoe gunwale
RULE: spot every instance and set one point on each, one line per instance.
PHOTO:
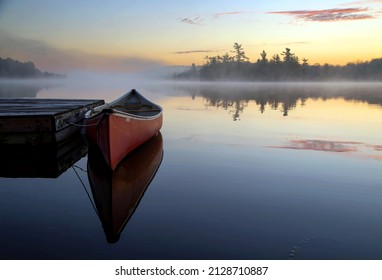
(110, 108)
(135, 117)
(94, 114)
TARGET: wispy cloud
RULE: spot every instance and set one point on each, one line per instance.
(193, 51)
(229, 13)
(194, 20)
(329, 15)
(377, 147)
(200, 21)
(364, 2)
(377, 157)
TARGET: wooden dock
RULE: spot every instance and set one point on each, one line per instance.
(41, 121)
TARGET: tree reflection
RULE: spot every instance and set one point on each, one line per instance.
(283, 97)
(234, 106)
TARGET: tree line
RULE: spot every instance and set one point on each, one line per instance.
(286, 66)
(10, 68)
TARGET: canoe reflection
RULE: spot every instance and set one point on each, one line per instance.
(117, 193)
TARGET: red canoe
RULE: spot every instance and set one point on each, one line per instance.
(119, 127)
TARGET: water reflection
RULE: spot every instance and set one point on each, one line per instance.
(267, 187)
(41, 160)
(361, 149)
(282, 96)
(117, 193)
(14, 89)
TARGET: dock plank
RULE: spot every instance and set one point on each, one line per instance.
(45, 120)
(36, 107)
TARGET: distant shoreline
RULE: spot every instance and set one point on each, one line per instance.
(14, 69)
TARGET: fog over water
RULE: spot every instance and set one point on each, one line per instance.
(160, 80)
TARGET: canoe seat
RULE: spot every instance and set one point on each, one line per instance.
(138, 109)
(128, 106)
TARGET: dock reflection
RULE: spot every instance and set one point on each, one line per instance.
(40, 160)
(117, 193)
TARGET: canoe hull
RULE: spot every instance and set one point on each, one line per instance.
(119, 127)
(116, 135)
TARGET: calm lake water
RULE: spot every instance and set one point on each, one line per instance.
(248, 171)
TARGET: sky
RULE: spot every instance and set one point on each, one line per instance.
(132, 35)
